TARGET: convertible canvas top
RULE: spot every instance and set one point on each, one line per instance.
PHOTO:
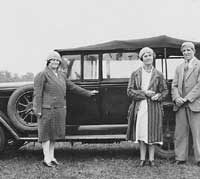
(158, 43)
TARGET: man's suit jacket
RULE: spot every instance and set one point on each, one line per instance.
(191, 85)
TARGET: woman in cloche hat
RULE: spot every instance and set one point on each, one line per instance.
(49, 105)
(146, 88)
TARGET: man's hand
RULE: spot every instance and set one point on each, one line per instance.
(179, 101)
(185, 100)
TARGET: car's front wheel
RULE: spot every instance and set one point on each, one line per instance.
(13, 144)
(20, 109)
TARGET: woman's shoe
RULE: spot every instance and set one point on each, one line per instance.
(55, 162)
(47, 164)
(142, 163)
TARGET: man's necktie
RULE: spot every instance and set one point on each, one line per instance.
(186, 67)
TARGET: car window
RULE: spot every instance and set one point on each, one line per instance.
(73, 65)
(160, 66)
(120, 65)
(171, 63)
(91, 67)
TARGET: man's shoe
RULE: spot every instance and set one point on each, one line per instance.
(198, 163)
(178, 162)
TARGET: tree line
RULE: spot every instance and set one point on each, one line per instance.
(6, 76)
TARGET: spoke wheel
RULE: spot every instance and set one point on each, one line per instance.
(20, 109)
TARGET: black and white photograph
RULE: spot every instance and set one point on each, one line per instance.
(100, 89)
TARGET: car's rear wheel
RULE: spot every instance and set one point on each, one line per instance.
(167, 149)
(20, 109)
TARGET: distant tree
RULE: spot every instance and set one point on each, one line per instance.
(6, 76)
(27, 77)
(16, 77)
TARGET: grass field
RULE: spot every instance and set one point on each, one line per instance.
(95, 161)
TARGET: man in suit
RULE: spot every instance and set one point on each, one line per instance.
(186, 95)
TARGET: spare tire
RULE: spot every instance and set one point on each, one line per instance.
(20, 109)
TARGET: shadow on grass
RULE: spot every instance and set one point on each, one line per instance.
(98, 151)
(64, 151)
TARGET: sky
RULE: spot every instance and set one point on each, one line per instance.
(31, 29)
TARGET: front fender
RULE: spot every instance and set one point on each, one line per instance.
(3, 120)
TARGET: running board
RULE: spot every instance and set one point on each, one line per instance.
(84, 138)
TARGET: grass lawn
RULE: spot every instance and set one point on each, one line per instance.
(95, 161)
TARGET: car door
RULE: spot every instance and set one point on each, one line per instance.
(82, 111)
(116, 70)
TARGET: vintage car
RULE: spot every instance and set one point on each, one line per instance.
(104, 67)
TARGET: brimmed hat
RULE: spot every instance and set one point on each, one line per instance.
(54, 55)
(145, 50)
(188, 44)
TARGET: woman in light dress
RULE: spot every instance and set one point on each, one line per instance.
(147, 88)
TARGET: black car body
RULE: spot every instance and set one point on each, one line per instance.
(104, 67)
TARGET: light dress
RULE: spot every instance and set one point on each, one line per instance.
(142, 116)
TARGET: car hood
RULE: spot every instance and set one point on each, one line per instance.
(14, 85)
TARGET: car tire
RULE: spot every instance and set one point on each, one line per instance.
(167, 154)
(13, 144)
(167, 149)
(20, 109)
(2, 139)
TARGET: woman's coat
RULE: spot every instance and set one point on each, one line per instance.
(50, 101)
(134, 91)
